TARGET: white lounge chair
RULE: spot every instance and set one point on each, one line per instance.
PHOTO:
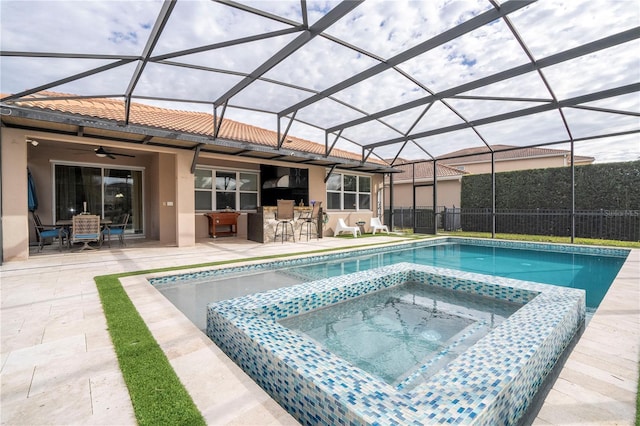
(342, 227)
(376, 225)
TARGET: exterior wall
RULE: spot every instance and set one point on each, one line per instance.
(160, 171)
(167, 199)
(15, 221)
(317, 187)
(168, 209)
(515, 164)
(448, 194)
(184, 200)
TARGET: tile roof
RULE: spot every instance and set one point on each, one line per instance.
(188, 122)
(482, 154)
(424, 170)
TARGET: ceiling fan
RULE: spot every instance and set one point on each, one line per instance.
(101, 152)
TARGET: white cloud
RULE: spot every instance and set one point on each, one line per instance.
(384, 28)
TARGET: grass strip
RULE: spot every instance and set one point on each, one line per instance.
(157, 395)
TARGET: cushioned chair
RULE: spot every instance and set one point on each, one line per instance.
(285, 216)
(376, 225)
(342, 227)
(116, 229)
(44, 232)
(86, 229)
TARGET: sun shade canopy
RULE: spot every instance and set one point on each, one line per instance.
(384, 80)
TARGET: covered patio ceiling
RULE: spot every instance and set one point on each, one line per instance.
(385, 79)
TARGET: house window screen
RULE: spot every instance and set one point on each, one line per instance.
(224, 189)
(348, 192)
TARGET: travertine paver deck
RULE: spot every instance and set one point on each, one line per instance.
(59, 367)
(599, 381)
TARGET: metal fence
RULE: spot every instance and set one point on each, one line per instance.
(420, 221)
(623, 225)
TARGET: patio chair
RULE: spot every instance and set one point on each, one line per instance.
(86, 229)
(285, 216)
(48, 231)
(376, 225)
(116, 229)
(342, 227)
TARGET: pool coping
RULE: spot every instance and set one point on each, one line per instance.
(485, 384)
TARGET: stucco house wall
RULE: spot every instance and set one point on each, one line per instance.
(169, 201)
(511, 165)
(448, 193)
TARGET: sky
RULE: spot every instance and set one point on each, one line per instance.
(366, 36)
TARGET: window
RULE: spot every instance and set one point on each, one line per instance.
(348, 192)
(224, 189)
(108, 192)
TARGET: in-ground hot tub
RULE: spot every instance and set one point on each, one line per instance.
(491, 382)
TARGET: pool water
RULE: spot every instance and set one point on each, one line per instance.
(591, 273)
(392, 332)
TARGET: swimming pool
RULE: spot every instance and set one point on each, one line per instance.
(589, 268)
(484, 372)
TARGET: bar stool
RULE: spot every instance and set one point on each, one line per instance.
(310, 221)
(284, 216)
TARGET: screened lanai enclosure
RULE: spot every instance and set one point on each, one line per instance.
(393, 81)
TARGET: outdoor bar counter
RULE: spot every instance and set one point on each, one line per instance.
(261, 225)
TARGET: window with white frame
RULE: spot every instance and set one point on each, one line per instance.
(348, 192)
(225, 189)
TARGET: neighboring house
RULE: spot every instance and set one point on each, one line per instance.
(164, 167)
(509, 158)
(448, 189)
(452, 166)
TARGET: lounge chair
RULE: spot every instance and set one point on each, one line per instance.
(342, 227)
(376, 225)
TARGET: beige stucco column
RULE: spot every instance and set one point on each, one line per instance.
(185, 200)
(176, 199)
(15, 217)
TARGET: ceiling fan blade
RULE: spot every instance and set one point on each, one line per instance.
(101, 152)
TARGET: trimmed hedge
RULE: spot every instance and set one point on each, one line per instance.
(607, 196)
(611, 186)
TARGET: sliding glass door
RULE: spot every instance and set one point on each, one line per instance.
(108, 192)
